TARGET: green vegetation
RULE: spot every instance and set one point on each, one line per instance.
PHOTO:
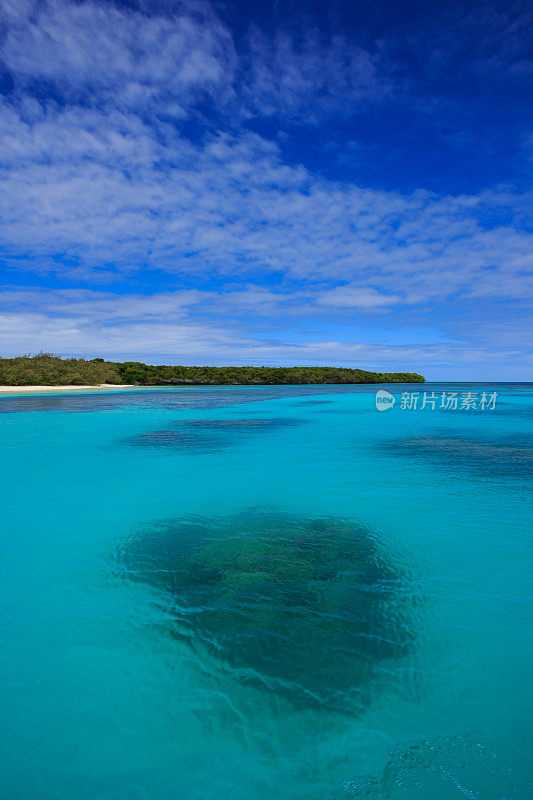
(48, 370)
(45, 369)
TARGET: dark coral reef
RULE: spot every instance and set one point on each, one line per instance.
(307, 606)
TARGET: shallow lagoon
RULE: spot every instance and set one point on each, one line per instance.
(120, 685)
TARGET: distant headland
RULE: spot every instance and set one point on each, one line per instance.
(45, 369)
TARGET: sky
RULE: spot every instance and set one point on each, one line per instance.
(280, 183)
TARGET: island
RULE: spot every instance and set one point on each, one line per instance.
(45, 369)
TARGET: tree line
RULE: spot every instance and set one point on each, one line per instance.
(45, 369)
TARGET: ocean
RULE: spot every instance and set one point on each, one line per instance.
(267, 592)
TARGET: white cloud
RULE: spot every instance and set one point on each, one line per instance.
(192, 342)
(316, 74)
(108, 189)
(92, 184)
(88, 50)
(174, 327)
(100, 184)
(356, 297)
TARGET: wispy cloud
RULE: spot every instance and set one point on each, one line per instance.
(192, 342)
(130, 153)
(192, 327)
(92, 186)
(87, 50)
(312, 75)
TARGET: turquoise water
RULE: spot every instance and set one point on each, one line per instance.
(265, 592)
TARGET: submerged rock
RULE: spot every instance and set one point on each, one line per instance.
(508, 456)
(306, 606)
(244, 425)
(208, 435)
(173, 438)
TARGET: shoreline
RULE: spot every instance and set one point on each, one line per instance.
(8, 390)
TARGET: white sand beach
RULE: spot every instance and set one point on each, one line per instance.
(6, 390)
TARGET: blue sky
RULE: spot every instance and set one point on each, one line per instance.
(269, 183)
